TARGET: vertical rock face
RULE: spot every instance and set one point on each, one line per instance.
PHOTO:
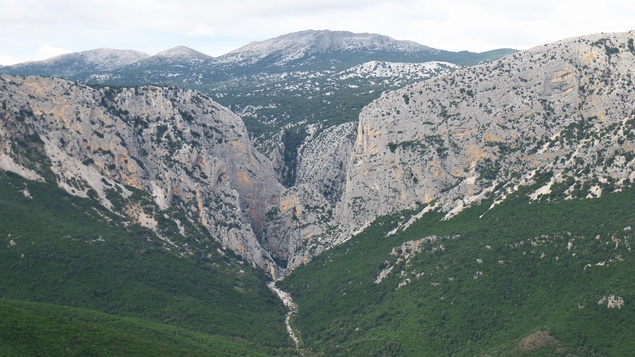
(299, 227)
(561, 115)
(322, 161)
(303, 224)
(563, 109)
(179, 146)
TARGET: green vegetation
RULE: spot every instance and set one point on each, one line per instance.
(491, 280)
(37, 329)
(60, 249)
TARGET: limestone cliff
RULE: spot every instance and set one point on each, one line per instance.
(184, 150)
(560, 116)
(562, 111)
(299, 227)
(303, 223)
(322, 161)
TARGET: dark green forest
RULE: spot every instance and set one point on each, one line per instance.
(61, 250)
(522, 278)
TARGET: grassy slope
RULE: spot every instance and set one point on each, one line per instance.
(52, 251)
(38, 329)
(452, 309)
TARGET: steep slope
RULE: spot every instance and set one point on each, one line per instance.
(282, 86)
(292, 107)
(521, 279)
(563, 109)
(60, 249)
(303, 224)
(185, 151)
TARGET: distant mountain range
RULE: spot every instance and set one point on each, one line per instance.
(337, 49)
(79, 64)
(320, 70)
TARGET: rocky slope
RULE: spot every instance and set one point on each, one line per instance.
(287, 49)
(303, 224)
(396, 71)
(160, 157)
(279, 86)
(563, 110)
(561, 115)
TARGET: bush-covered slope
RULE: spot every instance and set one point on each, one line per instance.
(66, 250)
(38, 329)
(517, 279)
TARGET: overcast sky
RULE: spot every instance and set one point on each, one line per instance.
(38, 29)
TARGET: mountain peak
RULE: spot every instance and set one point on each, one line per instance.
(97, 60)
(304, 44)
(182, 53)
(102, 56)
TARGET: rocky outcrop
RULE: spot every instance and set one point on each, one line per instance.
(560, 113)
(559, 117)
(396, 71)
(322, 160)
(303, 223)
(299, 227)
(178, 146)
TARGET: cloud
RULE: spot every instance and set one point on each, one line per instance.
(8, 60)
(214, 25)
(47, 51)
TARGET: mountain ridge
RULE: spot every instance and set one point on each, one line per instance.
(302, 42)
(298, 45)
(561, 110)
(476, 209)
(183, 150)
(257, 81)
(102, 59)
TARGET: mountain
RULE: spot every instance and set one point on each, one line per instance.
(303, 47)
(480, 131)
(284, 87)
(483, 210)
(559, 112)
(182, 53)
(341, 49)
(488, 211)
(182, 149)
(143, 202)
(80, 64)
